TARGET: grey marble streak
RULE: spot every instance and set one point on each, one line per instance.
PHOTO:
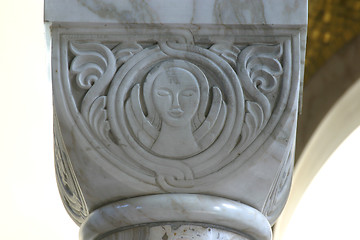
(175, 231)
(253, 12)
(178, 208)
(244, 184)
(235, 44)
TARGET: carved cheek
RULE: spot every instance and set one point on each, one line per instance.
(162, 103)
(190, 103)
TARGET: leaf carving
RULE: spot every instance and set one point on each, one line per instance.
(68, 185)
(94, 67)
(227, 51)
(259, 69)
(254, 119)
(98, 117)
(124, 51)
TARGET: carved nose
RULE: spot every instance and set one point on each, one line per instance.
(175, 102)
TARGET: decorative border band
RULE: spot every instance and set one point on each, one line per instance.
(165, 208)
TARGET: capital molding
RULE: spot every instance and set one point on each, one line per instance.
(161, 110)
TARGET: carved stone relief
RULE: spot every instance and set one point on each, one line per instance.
(176, 119)
(172, 114)
(277, 197)
(176, 232)
(168, 215)
(68, 185)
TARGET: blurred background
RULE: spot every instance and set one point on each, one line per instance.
(327, 159)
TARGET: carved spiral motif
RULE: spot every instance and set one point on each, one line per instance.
(173, 114)
(68, 185)
(211, 126)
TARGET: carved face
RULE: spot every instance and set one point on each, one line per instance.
(176, 96)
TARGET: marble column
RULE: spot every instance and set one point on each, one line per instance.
(175, 119)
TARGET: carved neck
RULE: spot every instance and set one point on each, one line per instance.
(175, 141)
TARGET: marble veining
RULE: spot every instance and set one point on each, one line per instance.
(247, 12)
(196, 208)
(177, 110)
(185, 109)
(187, 232)
(175, 232)
(171, 102)
(174, 92)
(68, 185)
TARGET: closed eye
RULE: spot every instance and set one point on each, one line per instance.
(188, 93)
(163, 92)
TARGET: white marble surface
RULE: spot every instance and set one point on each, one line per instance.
(200, 209)
(185, 232)
(188, 98)
(119, 126)
(249, 12)
(175, 232)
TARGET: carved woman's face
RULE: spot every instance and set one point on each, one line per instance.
(176, 96)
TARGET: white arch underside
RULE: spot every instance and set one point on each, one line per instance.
(337, 125)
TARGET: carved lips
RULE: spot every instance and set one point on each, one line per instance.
(176, 113)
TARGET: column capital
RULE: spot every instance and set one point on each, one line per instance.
(156, 100)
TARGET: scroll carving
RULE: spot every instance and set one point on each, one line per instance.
(67, 183)
(259, 69)
(172, 114)
(277, 197)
